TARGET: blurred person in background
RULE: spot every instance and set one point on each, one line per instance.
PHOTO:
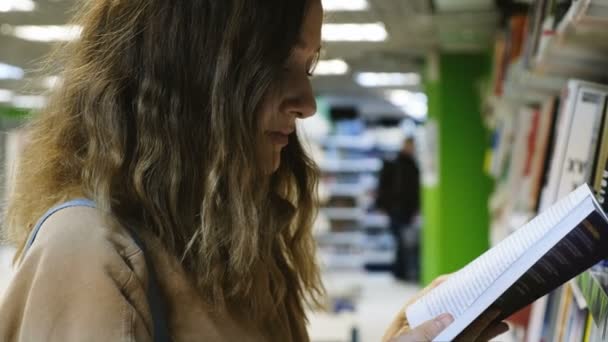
(399, 196)
(164, 194)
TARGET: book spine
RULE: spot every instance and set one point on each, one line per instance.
(537, 317)
(601, 149)
(600, 182)
(565, 115)
(588, 328)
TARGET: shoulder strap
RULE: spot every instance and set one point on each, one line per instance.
(155, 300)
(50, 212)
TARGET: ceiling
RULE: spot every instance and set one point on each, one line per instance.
(415, 28)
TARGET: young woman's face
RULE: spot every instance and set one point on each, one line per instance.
(295, 99)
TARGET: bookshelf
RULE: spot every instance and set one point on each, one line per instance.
(536, 109)
(357, 237)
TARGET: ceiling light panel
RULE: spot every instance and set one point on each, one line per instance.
(345, 5)
(463, 5)
(29, 101)
(10, 72)
(370, 32)
(51, 82)
(17, 6)
(331, 67)
(387, 79)
(414, 104)
(6, 95)
(48, 33)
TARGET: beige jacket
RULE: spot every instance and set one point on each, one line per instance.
(84, 281)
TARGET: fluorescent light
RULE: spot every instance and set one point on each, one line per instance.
(387, 79)
(10, 72)
(51, 82)
(374, 32)
(6, 95)
(413, 104)
(17, 6)
(49, 33)
(29, 101)
(345, 5)
(331, 67)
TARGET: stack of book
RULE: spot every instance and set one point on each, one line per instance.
(357, 238)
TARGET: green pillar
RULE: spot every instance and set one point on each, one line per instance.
(455, 206)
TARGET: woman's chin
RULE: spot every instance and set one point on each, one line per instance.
(276, 162)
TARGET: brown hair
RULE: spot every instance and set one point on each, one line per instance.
(155, 120)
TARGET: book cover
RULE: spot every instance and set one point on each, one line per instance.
(600, 175)
(517, 164)
(564, 123)
(550, 151)
(580, 142)
(563, 313)
(550, 319)
(579, 120)
(544, 147)
(588, 328)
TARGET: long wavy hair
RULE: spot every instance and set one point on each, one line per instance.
(156, 120)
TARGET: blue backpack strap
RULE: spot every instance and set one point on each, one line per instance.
(74, 203)
(155, 300)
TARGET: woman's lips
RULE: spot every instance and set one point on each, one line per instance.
(279, 138)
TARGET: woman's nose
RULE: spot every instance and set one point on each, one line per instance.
(299, 99)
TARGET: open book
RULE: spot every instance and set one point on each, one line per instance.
(551, 249)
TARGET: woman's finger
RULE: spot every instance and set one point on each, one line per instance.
(400, 323)
(428, 330)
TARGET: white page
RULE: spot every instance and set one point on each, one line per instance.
(464, 287)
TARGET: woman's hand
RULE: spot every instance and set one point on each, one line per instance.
(427, 331)
(400, 326)
(483, 329)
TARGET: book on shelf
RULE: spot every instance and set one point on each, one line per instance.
(566, 320)
(563, 314)
(587, 13)
(562, 242)
(567, 38)
(550, 316)
(580, 122)
(543, 149)
(600, 170)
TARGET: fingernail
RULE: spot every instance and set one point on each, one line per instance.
(445, 319)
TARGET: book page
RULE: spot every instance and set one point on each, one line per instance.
(462, 288)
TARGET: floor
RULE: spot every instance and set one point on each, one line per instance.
(378, 299)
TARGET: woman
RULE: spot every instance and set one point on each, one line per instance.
(175, 123)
